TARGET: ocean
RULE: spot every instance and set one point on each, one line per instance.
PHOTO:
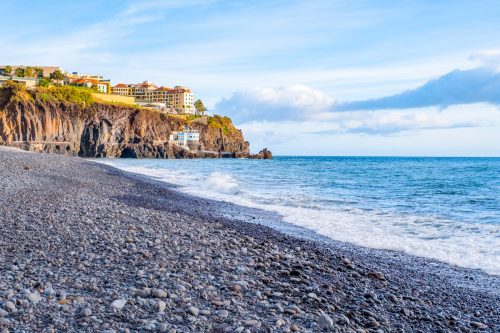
(442, 208)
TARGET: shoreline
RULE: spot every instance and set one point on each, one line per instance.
(272, 218)
(208, 272)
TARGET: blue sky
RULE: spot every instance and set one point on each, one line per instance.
(300, 77)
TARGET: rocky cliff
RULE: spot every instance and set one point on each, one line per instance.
(67, 121)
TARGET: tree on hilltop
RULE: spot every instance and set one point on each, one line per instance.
(20, 72)
(57, 76)
(7, 70)
(43, 82)
(39, 72)
(200, 108)
(29, 72)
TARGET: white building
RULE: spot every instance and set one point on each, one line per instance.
(28, 82)
(188, 138)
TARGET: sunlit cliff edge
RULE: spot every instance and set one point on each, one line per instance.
(68, 120)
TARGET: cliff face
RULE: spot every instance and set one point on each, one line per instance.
(105, 130)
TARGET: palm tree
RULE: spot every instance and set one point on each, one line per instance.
(200, 108)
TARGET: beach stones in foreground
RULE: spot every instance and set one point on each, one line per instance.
(90, 249)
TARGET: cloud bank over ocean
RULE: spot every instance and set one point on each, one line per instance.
(295, 102)
(300, 102)
(462, 101)
(480, 85)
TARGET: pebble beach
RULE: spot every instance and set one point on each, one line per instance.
(85, 247)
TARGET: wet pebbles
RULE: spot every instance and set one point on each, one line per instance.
(87, 248)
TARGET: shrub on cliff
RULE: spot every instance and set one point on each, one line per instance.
(222, 122)
(18, 91)
(64, 94)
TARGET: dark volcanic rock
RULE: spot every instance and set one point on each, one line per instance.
(264, 154)
(105, 130)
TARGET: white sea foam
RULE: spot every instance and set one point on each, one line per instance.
(221, 183)
(458, 243)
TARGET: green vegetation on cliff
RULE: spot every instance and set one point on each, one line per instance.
(64, 94)
(82, 97)
(56, 94)
(222, 122)
(68, 120)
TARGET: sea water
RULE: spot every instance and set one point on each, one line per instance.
(442, 208)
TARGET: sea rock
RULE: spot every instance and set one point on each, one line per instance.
(479, 325)
(235, 287)
(222, 313)
(161, 306)
(119, 303)
(158, 293)
(9, 306)
(193, 310)
(85, 312)
(377, 275)
(34, 298)
(325, 321)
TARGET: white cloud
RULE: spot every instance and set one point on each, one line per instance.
(402, 122)
(488, 58)
(295, 102)
(81, 46)
(471, 130)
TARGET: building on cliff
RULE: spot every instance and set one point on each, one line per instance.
(102, 87)
(138, 91)
(188, 138)
(177, 100)
(27, 82)
(89, 80)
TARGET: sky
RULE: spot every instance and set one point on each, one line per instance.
(317, 77)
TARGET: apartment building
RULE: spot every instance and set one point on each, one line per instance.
(177, 100)
(122, 89)
(135, 90)
(181, 100)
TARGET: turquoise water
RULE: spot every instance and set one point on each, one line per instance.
(442, 208)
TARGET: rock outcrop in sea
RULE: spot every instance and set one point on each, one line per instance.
(45, 122)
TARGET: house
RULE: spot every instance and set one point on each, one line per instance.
(28, 82)
(89, 81)
(188, 138)
(102, 87)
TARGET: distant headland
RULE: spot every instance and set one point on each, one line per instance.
(47, 109)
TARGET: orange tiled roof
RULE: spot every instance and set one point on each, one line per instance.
(144, 85)
(121, 85)
(83, 81)
(163, 89)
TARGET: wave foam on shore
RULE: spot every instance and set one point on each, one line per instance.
(452, 242)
